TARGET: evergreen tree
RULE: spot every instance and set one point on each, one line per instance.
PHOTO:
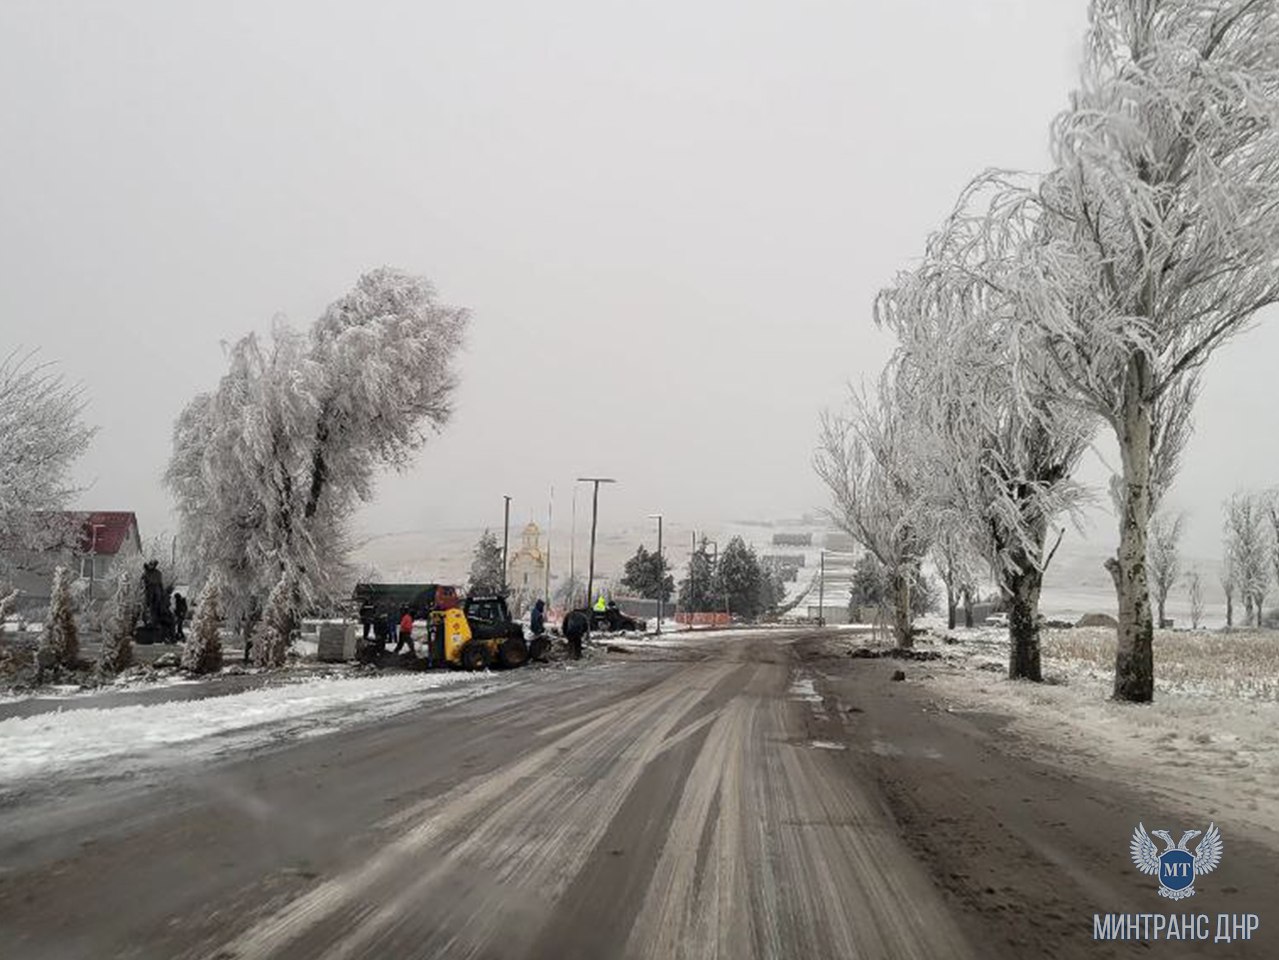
(60, 644)
(772, 586)
(648, 574)
(117, 638)
(739, 579)
(271, 645)
(869, 585)
(871, 588)
(486, 567)
(696, 591)
(202, 652)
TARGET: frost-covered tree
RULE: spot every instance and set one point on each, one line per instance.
(8, 603)
(1248, 551)
(648, 574)
(1229, 583)
(275, 631)
(868, 458)
(956, 564)
(202, 652)
(1271, 506)
(1159, 242)
(486, 567)
(267, 467)
(1195, 590)
(1163, 561)
(60, 643)
(41, 434)
(871, 586)
(569, 593)
(121, 618)
(998, 445)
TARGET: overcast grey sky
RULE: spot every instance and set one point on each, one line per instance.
(670, 220)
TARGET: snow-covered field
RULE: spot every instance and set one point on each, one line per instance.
(89, 742)
(1209, 743)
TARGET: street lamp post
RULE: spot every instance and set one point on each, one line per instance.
(506, 541)
(661, 573)
(550, 517)
(595, 508)
(572, 552)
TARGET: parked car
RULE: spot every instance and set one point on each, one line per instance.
(612, 619)
(997, 620)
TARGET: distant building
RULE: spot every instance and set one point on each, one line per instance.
(526, 570)
(792, 539)
(839, 541)
(97, 540)
(783, 560)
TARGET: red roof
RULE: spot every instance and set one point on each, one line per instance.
(114, 528)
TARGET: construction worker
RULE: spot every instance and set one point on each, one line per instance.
(179, 615)
(574, 629)
(406, 632)
(601, 604)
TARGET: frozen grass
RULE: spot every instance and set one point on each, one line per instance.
(1241, 664)
(1208, 745)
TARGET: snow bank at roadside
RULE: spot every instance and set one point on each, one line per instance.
(88, 741)
(1209, 743)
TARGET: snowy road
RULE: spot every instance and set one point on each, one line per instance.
(741, 797)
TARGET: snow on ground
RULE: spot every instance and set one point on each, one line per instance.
(119, 739)
(1209, 743)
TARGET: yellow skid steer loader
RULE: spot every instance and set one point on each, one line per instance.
(477, 635)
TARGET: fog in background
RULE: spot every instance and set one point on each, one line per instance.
(669, 220)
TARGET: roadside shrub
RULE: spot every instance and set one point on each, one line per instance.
(202, 651)
(271, 645)
(117, 635)
(60, 642)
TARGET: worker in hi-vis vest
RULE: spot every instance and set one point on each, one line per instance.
(601, 605)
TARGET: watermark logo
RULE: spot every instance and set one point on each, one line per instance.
(1176, 868)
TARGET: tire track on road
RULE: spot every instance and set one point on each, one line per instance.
(575, 784)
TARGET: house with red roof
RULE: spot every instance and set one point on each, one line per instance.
(91, 544)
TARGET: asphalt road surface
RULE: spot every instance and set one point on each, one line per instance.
(735, 798)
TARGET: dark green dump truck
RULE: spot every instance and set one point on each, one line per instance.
(392, 599)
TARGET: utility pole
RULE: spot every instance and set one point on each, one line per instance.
(572, 551)
(550, 513)
(710, 587)
(595, 510)
(506, 541)
(93, 555)
(661, 572)
(692, 582)
(821, 590)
